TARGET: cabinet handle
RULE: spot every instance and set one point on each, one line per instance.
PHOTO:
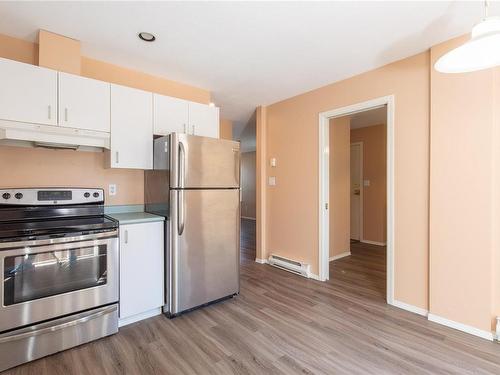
(126, 236)
(117, 157)
(193, 129)
(50, 111)
(65, 114)
(184, 128)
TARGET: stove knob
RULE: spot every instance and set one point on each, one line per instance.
(86, 195)
(18, 195)
(6, 195)
(96, 195)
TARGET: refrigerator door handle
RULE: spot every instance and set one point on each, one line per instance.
(182, 167)
(180, 212)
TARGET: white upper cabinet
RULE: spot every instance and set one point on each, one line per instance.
(28, 93)
(170, 115)
(131, 128)
(83, 103)
(203, 120)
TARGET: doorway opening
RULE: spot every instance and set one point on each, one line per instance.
(357, 152)
(357, 195)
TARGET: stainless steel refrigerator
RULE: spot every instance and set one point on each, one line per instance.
(195, 184)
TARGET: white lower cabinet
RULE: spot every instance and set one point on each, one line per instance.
(141, 271)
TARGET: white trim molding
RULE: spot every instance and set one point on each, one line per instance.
(141, 316)
(373, 242)
(313, 276)
(261, 261)
(338, 256)
(410, 308)
(324, 189)
(249, 218)
(462, 327)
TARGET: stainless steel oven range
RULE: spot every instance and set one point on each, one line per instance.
(59, 268)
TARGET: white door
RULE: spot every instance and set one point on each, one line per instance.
(356, 190)
(141, 268)
(28, 93)
(131, 128)
(83, 103)
(203, 120)
(170, 115)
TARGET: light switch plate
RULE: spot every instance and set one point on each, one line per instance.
(272, 162)
(366, 182)
(272, 181)
(112, 189)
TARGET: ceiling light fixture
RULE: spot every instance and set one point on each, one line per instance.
(147, 37)
(482, 51)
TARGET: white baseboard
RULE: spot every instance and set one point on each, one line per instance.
(135, 318)
(248, 218)
(338, 256)
(462, 327)
(374, 242)
(313, 276)
(410, 308)
(261, 261)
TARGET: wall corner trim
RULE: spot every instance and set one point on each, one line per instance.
(338, 256)
(410, 308)
(488, 335)
(261, 261)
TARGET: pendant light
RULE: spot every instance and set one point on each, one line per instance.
(482, 51)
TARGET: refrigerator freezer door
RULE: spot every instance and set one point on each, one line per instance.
(204, 252)
(203, 162)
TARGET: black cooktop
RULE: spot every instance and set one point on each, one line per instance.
(54, 228)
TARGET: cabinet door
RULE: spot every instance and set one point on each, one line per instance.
(141, 268)
(203, 120)
(170, 115)
(131, 128)
(83, 103)
(28, 93)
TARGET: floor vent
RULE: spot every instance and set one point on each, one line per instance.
(289, 265)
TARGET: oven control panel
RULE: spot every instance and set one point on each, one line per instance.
(51, 196)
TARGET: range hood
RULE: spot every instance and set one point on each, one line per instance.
(52, 136)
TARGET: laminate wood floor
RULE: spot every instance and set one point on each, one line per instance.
(286, 324)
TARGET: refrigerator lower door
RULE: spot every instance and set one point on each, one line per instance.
(204, 247)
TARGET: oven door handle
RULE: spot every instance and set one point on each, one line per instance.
(47, 328)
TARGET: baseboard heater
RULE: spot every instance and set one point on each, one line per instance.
(289, 265)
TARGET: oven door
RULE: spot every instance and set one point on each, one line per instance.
(47, 279)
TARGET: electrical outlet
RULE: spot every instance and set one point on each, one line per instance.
(112, 189)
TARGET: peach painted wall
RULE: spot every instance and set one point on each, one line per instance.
(374, 140)
(35, 167)
(225, 129)
(292, 137)
(464, 193)
(248, 184)
(59, 52)
(340, 185)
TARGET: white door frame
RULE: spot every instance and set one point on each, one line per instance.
(361, 189)
(324, 191)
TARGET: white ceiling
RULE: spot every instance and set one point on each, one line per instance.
(248, 53)
(371, 117)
